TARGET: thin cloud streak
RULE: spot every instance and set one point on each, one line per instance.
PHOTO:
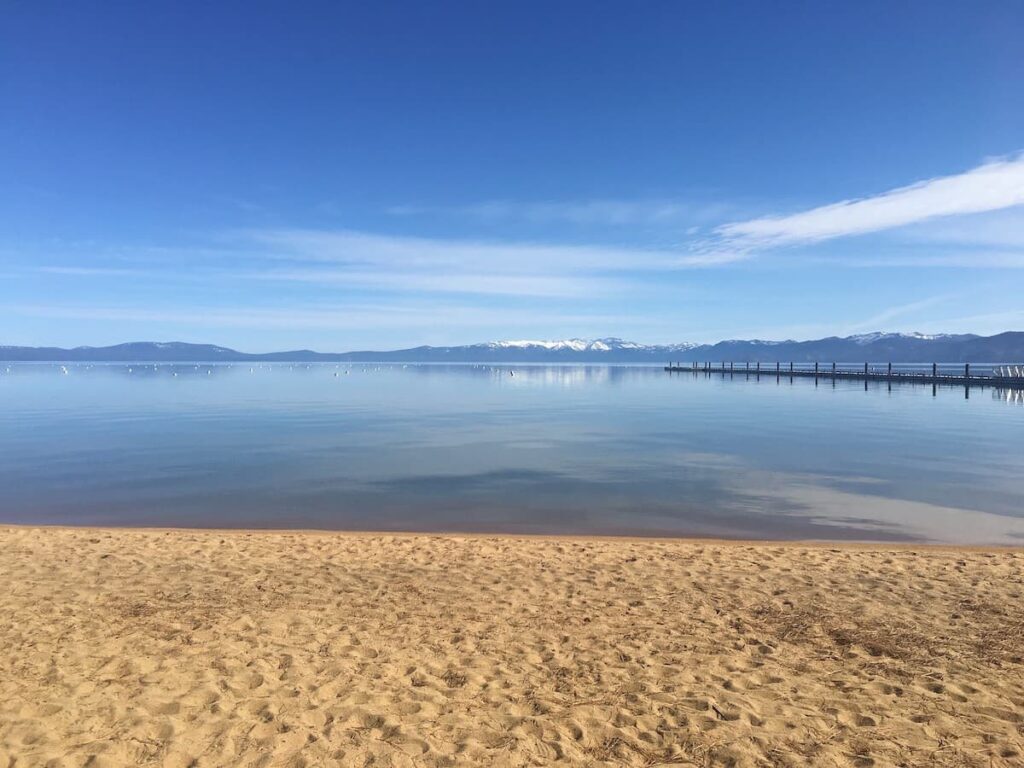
(984, 324)
(961, 260)
(992, 186)
(355, 317)
(356, 248)
(883, 318)
(92, 271)
(481, 284)
(552, 286)
(581, 212)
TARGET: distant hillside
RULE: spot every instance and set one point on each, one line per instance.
(133, 352)
(872, 348)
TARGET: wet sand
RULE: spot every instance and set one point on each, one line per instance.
(208, 648)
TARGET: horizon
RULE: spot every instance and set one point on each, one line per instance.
(413, 177)
(914, 335)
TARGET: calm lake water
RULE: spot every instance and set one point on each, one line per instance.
(569, 449)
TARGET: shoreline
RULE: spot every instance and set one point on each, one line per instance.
(869, 544)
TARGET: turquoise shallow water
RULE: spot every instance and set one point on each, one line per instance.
(570, 449)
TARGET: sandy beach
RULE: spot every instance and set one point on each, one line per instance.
(208, 648)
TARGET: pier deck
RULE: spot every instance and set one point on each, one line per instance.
(964, 377)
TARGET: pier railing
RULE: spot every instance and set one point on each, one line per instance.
(971, 374)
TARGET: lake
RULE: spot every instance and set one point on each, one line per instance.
(559, 450)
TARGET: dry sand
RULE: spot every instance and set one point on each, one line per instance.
(189, 648)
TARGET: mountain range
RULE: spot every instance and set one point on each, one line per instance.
(871, 347)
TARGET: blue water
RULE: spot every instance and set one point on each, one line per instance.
(571, 449)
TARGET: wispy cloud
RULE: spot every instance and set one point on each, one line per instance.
(486, 268)
(442, 282)
(412, 317)
(997, 230)
(398, 264)
(984, 323)
(364, 261)
(476, 256)
(884, 318)
(966, 258)
(406, 281)
(92, 271)
(992, 186)
(580, 212)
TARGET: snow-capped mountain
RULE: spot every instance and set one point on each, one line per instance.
(585, 345)
(871, 338)
(610, 349)
(871, 347)
(577, 345)
(868, 347)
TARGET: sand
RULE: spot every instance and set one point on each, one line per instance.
(189, 648)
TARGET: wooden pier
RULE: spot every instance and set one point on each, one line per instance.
(961, 377)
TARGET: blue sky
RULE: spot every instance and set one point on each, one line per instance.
(352, 176)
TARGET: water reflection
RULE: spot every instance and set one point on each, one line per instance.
(1009, 395)
(547, 449)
